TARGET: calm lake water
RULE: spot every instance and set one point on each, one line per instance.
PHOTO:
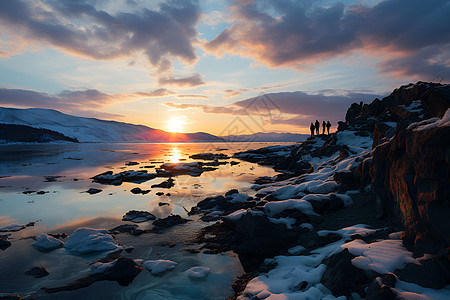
(66, 207)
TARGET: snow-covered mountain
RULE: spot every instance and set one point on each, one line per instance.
(94, 130)
(101, 131)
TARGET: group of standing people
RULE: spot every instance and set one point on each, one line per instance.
(316, 127)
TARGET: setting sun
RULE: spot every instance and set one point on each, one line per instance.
(175, 124)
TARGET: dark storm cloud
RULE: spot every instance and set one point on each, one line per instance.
(82, 28)
(301, 33)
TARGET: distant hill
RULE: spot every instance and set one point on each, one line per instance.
(27, 134)
(95, 130)
(101, 131)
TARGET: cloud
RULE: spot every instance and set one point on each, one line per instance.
(291, 108)
(408, 36)
(86, 28)
(85, 102)
(191, 81)
(156, 93)
(193, 96)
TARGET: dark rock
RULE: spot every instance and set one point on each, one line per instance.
(302, 285)
(125, 228)
(159, 194)
(210, 218)
(41, 193)
(167, 184)
(4, 243)
(123, 272)
(51, 178)
(256, 237)
(58, 235)
(209, 156)
(10, 297)
(93, 191)
(193, 251)
(231, 192)
(234, 162)
(170, 221)
(163, 203)
(131, 163)
(137, 190)
(169, 244)
(168, 194)
(126, 176)
(263, 180)
(432, 273)
(377, 292)
(28, 192)
(138, 216)
(37, 272)
(410, 176)
(341, 277)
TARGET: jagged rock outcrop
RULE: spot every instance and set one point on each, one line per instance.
(410, 178)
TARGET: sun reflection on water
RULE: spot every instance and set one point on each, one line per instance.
(175, 155)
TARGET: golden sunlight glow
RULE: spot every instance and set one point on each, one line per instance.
(175, 155)
(175, 124)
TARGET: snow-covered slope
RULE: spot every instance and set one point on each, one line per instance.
(93, 130)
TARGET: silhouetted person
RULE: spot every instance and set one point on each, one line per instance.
(323, 127)
(328, 126)
(317, 125)
(312, 129)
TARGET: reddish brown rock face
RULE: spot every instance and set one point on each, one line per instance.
(411, 174)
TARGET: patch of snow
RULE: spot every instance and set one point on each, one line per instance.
(100, 267)
(238, 197)
(47, 242)
(296, 249)
(345, 198)
(274, 208)
(307, 226)
(234, 216)
(198, 272)
(431, 123)
(159, 266)
(382, 257)
(415, 106)
(395, 235)
(87, 240)
(406, 290)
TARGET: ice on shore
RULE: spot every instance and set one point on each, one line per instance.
(198, 272)
(159, 266)
(47, 242)
(87, 240)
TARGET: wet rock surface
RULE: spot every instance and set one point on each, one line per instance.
(170, 221)
(137, 216)
(123, 271)
(37, 272)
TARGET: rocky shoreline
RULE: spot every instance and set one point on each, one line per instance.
(360, 213)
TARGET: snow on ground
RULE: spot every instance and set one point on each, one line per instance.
(159, 266)
(276, 207)
(87, 240)
(47, 242)
(382, 257)
(431, 123)
(198, 272)
(100, 267)
(354, 142)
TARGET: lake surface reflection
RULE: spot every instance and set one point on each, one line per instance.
(65, 206)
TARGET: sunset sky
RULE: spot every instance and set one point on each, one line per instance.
(273, 65)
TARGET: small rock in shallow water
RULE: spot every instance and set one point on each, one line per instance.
(159, 193)
(165, 184)
(4, 243)
(93, 191)
(159, 266)
(138, 216)
(163, 203)
(170, 221)
(37, 272)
